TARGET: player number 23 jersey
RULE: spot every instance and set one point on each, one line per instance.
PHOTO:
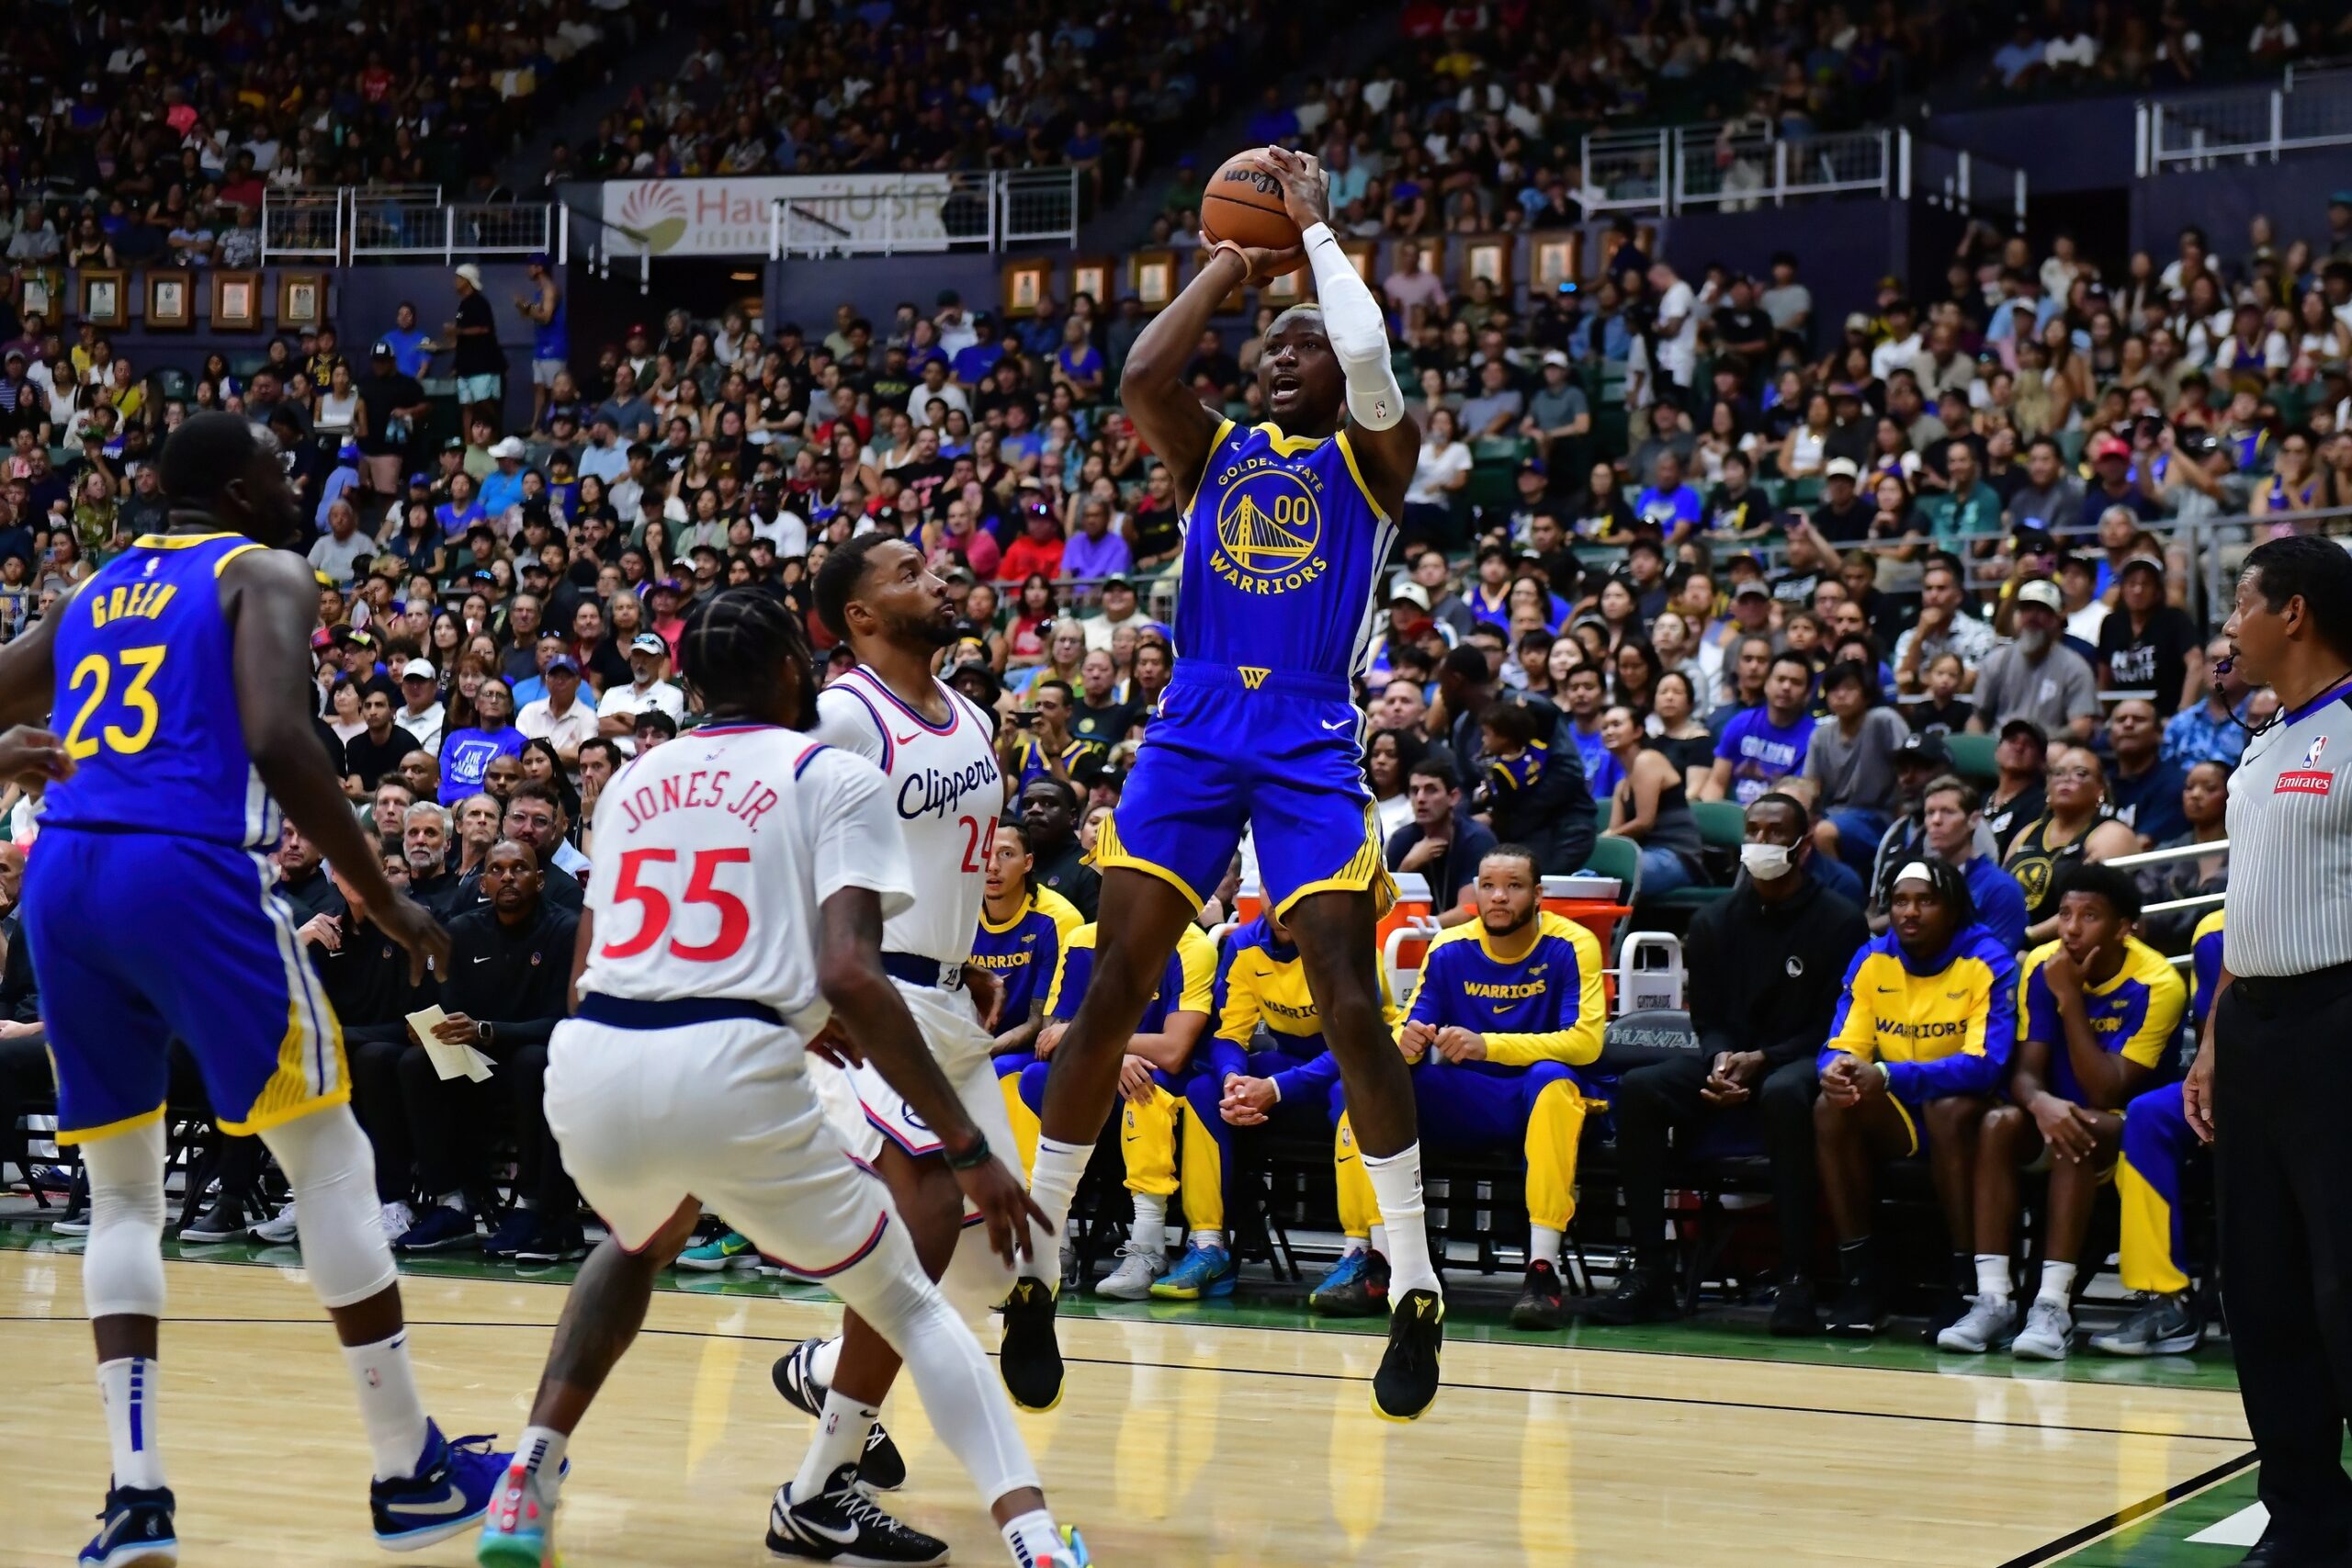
(1281, 545)
(722, 845)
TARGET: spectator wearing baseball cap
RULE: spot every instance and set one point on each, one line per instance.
(648, 690)
(559, 718)
(481, 362)
(2037, 676)
(421, 711)
(2113, 482)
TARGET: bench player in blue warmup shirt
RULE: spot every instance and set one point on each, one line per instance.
(1023, 927)
(2097, 1009)
(1287, 525)
(2157, 1144)
(181, 674)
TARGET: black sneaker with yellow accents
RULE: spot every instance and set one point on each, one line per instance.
(1406, 1384)
(1031, 1361)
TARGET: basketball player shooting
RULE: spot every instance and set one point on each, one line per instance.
(1286, 526)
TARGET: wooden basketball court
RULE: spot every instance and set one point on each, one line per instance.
(1228, 1434)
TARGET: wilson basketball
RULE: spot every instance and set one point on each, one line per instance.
(1244, 204)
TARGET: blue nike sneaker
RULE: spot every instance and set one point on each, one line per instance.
(1202, 1271)
(519, 1226)
(439, 1229)
(135, 1530)
(1357, 1286)
(450, 1491)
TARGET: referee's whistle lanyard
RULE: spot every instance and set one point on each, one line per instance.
(2327, 694)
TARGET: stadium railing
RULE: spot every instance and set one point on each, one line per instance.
(1741, 165)
(896, 214)
(2309, 109)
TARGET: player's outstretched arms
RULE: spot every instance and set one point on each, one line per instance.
(271, 598)
(868, 1009)
(1168, 414)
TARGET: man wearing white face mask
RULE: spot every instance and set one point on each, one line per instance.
(1772, 958)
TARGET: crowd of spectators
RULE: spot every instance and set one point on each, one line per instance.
(888, 88)
(2089, 50)
(1760, 563)
(147, 134)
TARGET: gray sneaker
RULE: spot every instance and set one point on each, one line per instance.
(2164, 1326)
(2049, 1328)
(1981, 1328)
(1132, 1280)
(279, 1230)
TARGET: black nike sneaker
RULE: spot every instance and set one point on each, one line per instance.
(1031, 1361)
(1540, 1306)
(135, 1531)
(1406, 1384)
(841, 1523)
(883, 1468)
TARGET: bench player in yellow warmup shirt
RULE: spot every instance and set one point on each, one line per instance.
(1508, 1008)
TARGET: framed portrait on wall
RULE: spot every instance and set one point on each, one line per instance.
(1365, 255)
(1288, 289)
(43, 291)
(1556, 259)
(301, 298)
(236, 301)
(1091, 276)
(1028, 283)
(105, 296)
(1487, 256)
(1152, 273)
(171, 305)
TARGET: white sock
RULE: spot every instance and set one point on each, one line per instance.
(1149, 1232)
(1033, 1537)
(840, 1441)
(452, 1200)
(1396, 1186)
(539, 1450)
(824, 1361)
(389, 1405)
(1544, 1245)
(1353, 1245)
(1993, 1275)
(129, 1388)
(2057, 1282)
(1378, 1240)
(1208, 1239)
(1053, 1182)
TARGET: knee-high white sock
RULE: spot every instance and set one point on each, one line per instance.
(129, 1388)
(1396, 1185)
(840, 1441)
(824, 1361)
(388, 1405)
(1150, 1230)
(1053, 1182)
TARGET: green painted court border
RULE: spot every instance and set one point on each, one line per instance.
(1479, 1308)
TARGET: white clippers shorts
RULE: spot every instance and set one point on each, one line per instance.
(717, 1108)
(865, 1111)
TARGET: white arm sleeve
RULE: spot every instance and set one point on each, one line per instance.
(1359, 334)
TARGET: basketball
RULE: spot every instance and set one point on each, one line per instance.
(1244, 204)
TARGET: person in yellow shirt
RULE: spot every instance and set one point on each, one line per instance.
(1920, 1041)
(2099, 1007)
(1507, 1008)
(1157, 1063)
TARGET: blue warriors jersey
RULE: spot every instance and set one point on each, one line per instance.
(1282, 546)
(1024, 953)
(2205, 965)
(147, 700)
(1186, 983)
(2136, 1012)
(1541, 1003)
(1943, 1025)
(1261, 981)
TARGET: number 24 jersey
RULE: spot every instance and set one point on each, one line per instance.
(722, 847)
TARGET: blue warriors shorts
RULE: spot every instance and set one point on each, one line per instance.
(141, 938)
(1271, 752)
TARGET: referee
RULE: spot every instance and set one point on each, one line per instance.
(2272, 1085)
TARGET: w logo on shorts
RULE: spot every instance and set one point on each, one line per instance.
(1253, 676)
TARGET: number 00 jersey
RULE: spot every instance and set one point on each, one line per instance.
(945, 790)
(1282, 544)
(722, 845)
(147, 700)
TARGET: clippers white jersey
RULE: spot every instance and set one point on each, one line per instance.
(947, 790)
(721, 847)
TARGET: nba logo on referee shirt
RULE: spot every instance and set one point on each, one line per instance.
(2309, 779)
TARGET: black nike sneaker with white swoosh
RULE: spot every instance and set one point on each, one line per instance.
(135, 1530)
(883, 1468)
(843, 1525)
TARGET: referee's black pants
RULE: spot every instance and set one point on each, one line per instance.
(2283, 1167)
(1658, 1095)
